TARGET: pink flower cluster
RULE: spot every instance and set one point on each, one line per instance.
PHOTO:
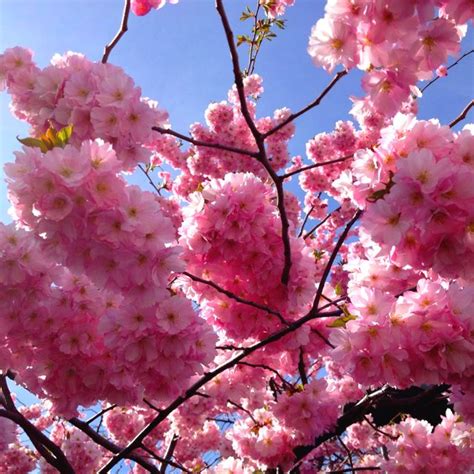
(420, 338)
(397, 42)
(273, 8)
(114, 235)
(225, 125)
(449, 447)
(425, 218)
(142, 7)
(232, 235)
(99, 100)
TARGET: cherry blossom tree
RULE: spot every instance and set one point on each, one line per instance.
(220, 321)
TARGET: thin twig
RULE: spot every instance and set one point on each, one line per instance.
(448, 68)
(234, 297)
(324, 338)
(251, 65)
(301, 368)
(348, 452)
(316, 165)
(462, 115)
(332, 258)
(102, 412)
(109, 445)
(169, 454)
(320, 223)
(378, 430)
(122, 30)
(162, 460)
(147, 174)
(315, 103)
(306, 217)
(240, 407)
(168, 131)
(267, 367)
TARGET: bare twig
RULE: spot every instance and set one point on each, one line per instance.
(162, 460)
(388, 435)
(315, 103)
(168, 131)
(101, 413)
(301, 368)
(320, 223)
(462, 115)
(348, 452)
(122, 30)
(52, 453)
(109, 445)
(324, 338)
(234, 297)
(169, 454)
(267, 367)
(316, 165)
(332, 258)
(306, 217)
(147, 174)
(448, 68)
(241, 408)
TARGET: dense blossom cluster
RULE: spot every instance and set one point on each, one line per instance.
(396, 42)
(99, 100)
(119, 305)
(226, 125)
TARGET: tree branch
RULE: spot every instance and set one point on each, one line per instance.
(462, 115)
(122, 30)
(260, 141)
(207, 377)
(234, 297)
(169, 454)
(47, 448)
(448, 68)
(315, 103)
(109, 445)
(316, 165)
(333, 256)
(168, 131)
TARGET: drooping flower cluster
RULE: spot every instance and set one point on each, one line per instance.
(114, 235)
(99, 100)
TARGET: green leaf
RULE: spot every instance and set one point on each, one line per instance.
(341, 322)
(65, 134)
(33, 143)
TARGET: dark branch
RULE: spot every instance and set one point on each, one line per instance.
(169, 454)
(462, 115)
(123, 29)
(168, 131)
(112, 447)
(448, 68)
(260, 141)
(234, 297)
(315, 103)
(332, 258)
(316, 165)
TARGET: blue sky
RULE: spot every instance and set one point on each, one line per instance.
(179, 57)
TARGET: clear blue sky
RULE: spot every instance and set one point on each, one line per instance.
(179, 57)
